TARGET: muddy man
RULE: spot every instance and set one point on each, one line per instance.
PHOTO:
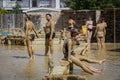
(49, 30)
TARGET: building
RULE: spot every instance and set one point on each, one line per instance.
(37, 8)
(28, 5)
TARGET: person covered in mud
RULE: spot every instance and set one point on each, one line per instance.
(74, 58)
(89, 25)
(49, 30)
(30, 33)
(72, 26)
(62, 35)
(100, 33)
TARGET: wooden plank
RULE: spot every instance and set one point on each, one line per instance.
(58, 70)
(64, 77)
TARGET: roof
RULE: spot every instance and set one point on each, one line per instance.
(42, 10)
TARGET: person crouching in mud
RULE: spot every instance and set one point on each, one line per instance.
(30, 35)
(76, 59)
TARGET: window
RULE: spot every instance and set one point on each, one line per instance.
(34, 3)
(19, 0)
(16, 0)
(45, 3)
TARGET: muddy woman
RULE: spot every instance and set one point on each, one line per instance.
(30, 34)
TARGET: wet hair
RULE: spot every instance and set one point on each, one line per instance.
(89, 17)
(49, 15)
(28, 16)
(101, 20)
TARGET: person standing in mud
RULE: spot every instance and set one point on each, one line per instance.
(100, 33)
(105, 24)
(49, 30)
(74, 58)
(30, 33)
(89, 25)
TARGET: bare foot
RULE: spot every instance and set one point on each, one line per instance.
(95, 70)
(30, 58)
(33, 57)
(101, 61)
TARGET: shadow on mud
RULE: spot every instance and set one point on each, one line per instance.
(20, 57)
(115, 50)
(39, 54)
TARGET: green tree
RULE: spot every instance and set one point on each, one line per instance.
(92, 4)
(3, 11)
(16, 9)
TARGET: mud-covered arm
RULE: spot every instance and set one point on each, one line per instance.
(35, 32)
(52, 29)
(63, 48)
(69, 50)
(105, 24)
(26, 29)
(44, 28)
(96, 31)
(104, 30)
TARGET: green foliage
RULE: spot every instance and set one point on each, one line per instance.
(92, 4)
(16, 9)
(3, 11)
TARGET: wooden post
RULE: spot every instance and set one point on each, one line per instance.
(1, 21)
(114, 27)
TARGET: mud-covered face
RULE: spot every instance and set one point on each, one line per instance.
(48, 17)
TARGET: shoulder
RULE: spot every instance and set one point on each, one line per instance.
(51, 21)
(98, 24)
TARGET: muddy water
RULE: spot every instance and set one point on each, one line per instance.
(15, 65)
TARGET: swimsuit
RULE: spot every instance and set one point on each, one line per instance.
(90, 30)
(32, 36)
(100, 34)
(89, 26)
(47, 36)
